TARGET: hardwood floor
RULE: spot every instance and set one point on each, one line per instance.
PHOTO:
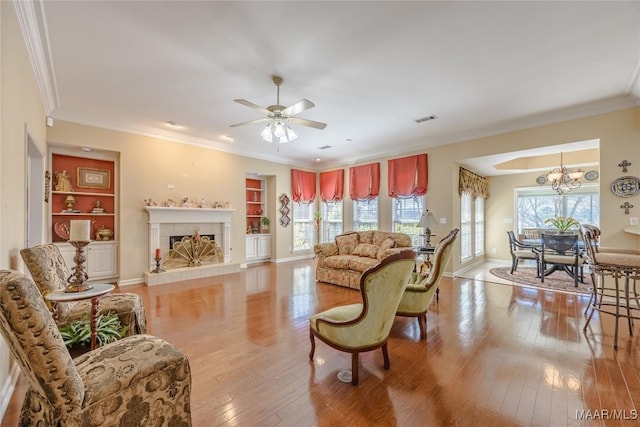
(495, 355)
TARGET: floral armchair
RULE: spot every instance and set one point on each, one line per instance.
(139, 380)
(50, 272)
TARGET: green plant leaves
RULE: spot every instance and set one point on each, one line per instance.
(109, 329)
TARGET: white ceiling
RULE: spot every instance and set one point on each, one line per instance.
(371, 68)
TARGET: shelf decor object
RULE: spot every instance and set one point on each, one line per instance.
(79, 238)
(626, 186)
(94, 178)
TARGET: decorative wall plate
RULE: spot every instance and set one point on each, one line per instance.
(626, 186)
(542, 179)
(284, 210)
(62, 228)
(591, 175)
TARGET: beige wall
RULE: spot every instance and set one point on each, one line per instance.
(20, 107)
(148, 166)
(619, 135)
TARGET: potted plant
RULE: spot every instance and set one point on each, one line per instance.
(265, 224)
(562, 223)
(317, 219)
(77, 335)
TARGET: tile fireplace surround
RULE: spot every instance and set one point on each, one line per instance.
(165, 222)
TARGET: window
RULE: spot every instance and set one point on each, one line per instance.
(331, 221)
(405, 217)
(365, 215)
(466, 238)
(479, 226)
(302, 226)
(535, 205)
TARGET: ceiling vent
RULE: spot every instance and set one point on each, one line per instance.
(426, 119)
(324, 147)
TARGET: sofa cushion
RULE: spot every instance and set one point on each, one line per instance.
(387, 244)
(338, 261)
(365, 236)
(366, 250)
(361, 264)
(401, 239)
(346, 243)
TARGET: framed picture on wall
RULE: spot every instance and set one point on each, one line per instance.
(94, 178)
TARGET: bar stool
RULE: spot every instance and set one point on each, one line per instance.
(617, 299)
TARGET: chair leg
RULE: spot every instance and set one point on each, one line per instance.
(422, 322)
(514, 265)
(385, 356)
(354, 368)
(313, 346)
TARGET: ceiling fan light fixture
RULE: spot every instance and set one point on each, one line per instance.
(278, 130)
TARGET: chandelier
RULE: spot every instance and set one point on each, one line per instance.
(278, 129)
(564, 180)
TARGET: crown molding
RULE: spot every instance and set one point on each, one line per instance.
(34, 31)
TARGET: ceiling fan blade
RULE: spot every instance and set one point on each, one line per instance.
(298, 107)
(305, 122)
(254, 106)
(251, 122)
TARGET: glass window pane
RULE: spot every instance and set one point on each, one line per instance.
(331, 224)
(406, 215)
(302, 226)
(365, 215)
(465, 226)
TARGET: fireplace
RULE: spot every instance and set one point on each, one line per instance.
(166, 222)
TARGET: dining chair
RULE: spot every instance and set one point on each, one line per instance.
(562, 252)
(365, 326)
(521, 251)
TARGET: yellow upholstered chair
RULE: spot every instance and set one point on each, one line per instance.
(139, 380)
(365, 326)
(50, 273)
(420, 290)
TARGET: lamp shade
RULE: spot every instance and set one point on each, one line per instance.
(427, 219)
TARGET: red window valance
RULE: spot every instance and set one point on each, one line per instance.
(303, 186)
(332, 185)
(408, 176)
(364, 182)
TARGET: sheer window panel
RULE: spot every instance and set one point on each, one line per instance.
(406, 215)
(303, 227)
(331, 225)
(466, 238)
(479, 225)
(365, 215)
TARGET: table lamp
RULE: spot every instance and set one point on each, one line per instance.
(427, 220)
(79, 237)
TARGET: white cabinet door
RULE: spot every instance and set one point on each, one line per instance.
(264, 246)
(102, 259)
(251, 248)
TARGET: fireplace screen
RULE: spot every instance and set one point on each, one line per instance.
(192, 251)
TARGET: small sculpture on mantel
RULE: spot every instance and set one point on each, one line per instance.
(202, 203)
(150, 202)
(227, 205)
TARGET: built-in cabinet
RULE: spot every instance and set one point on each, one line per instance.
(255, 204)
(84, 187)
(258, 247)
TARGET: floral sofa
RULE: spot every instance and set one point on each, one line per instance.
(341, 263)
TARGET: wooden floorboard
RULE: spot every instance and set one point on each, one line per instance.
(495, 355)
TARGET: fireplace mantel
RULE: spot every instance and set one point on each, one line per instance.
(164, 215)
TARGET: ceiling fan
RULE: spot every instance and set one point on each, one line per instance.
(280, 117)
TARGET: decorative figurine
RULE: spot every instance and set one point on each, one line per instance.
(63, 181)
